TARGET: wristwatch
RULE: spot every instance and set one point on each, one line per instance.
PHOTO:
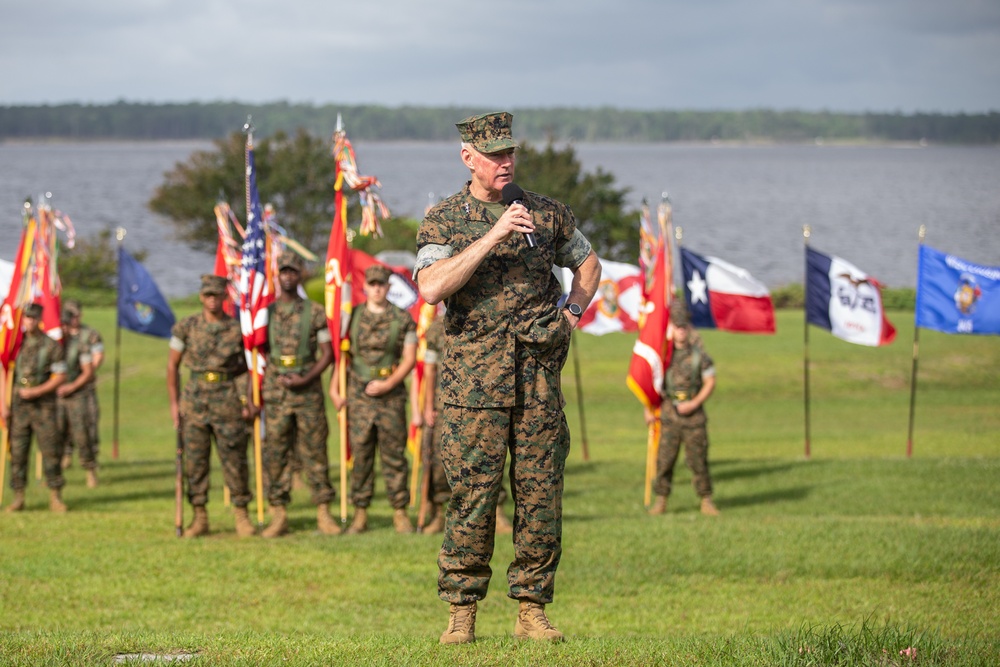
(574, 309)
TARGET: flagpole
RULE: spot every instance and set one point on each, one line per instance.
(8, 381)
(342, 422)
(806, 232)
(120, 233)
(921, 233)
(579, 395)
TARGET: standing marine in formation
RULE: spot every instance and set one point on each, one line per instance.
(39, 369)
(213, 404)
(383, 351)
(79, 412)
(294, 403)
(687, 384)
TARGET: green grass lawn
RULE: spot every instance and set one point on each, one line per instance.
(847, 558)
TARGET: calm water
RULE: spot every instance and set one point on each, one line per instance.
(745, 204)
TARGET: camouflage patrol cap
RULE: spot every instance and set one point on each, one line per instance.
(33, 310)
(488, 132)
(70, 309)
(679, 316)
(212, 284)
(377, 273)
(289, 260)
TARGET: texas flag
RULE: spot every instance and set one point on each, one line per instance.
(722, 296)
(845, 301)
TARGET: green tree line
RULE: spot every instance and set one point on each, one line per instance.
(214, 120)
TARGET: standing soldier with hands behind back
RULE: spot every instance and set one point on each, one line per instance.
(78, 409)
(39, 369)
(383, 352)
(210, 344)
(687, 383)
(507, 342)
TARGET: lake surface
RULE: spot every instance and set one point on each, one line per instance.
(745, 204)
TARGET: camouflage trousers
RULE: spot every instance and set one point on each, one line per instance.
(295, 424)
(231, 444)
(36, 417)
(474, 445)
(78, 419)
(438, 488)
(694, 437)
(378, 422)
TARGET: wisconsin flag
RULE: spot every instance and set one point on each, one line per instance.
(956, 296)
(141, 306)
(723, 296)
(845, 301)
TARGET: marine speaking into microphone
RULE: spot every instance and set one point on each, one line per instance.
(513, 194)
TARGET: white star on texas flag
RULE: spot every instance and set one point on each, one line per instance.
(698, 288)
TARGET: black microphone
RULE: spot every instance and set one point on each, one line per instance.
(513, 194)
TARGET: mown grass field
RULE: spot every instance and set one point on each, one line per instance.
(846, 558)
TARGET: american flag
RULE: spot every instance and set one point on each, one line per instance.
(255, 292)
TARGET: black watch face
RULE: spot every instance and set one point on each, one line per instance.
(574, 309)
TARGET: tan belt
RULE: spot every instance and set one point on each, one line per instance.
(681, 396)
(383, 372)
(26, 382)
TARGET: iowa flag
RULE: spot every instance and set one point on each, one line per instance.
(845, 301)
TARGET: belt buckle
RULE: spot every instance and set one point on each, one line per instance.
(681, 396)
(384, 372)
(212, 376)
(287, 361)
(26, 382)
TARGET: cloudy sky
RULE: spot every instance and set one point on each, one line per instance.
(839, 55)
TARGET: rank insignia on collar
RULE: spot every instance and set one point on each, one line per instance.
(466, 207)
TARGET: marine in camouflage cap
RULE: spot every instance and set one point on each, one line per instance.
(679, 316)
(489, 132)
(212, 284)
(377, 273)
(290, 260)
(71, 309)
(33, 310)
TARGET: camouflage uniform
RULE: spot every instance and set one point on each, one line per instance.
(506, 341)
(211, 404)
(682, 381)
(378, 420)
(38, 358)
(79, 412)
(295, 417)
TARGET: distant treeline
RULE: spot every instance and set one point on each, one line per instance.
(127, 120)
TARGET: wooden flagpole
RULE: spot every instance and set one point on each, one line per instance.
(921, 233)
(258, 453)
(120, 237)
(806, 232)
(8, 380)
(418, 437)
(342, 419)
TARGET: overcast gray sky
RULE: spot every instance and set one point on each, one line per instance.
(840, 55)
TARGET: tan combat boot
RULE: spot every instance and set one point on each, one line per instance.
(461, 624)
(199, 524)
(708, 508)
(360, 522)
(504, 527)
(532, 623)
(436, 524)
(326, 523)
(401, 521)
(92, 478)
(279, 522)
(659, 506)
(18, 503)
(243, 526)
(56, 503)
